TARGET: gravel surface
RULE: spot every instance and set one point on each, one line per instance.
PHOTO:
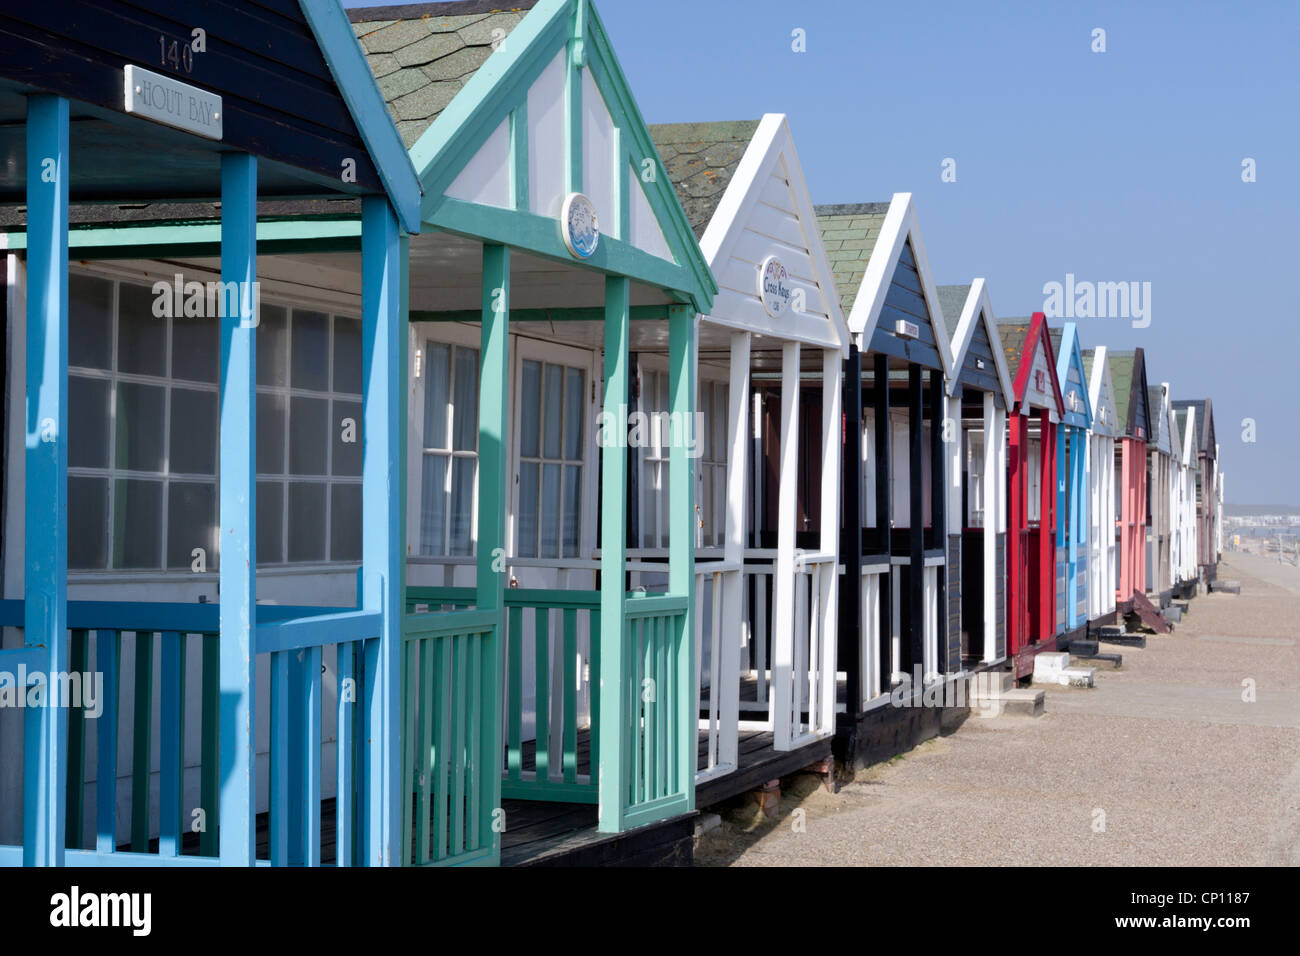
(1163, 763)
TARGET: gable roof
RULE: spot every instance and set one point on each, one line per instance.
(969, 306)
(501, 147)
(423, 54)
(701, 159)
(1101, 391)
(1021, 339)
(849, 233)
(870, 253)
(1065, 345)
(1204, 422)
(1128, 372)
(1158, 405)
(758, 205)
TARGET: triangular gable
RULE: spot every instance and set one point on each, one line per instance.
(765, 211)
(1158, 404)
(1034, 381)
(1101, 392)
(975, 339)
(1209, 442)
(1139, 410)
(548, 114)
(898, 287)
(1072, 379)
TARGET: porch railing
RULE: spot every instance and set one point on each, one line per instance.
(450, 720)
(875, 580)
(293, 638)
(811, 694)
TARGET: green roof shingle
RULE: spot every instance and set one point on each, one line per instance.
(849, 233)
(701, 160)
(422, 54)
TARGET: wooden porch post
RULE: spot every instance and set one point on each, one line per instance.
(851, 647)
(938, 499)
(612, 789)
(494, 402)
(915, 642)
(238, 489)
(1017, 592)
(1046, 521)
(681, 547)
(1079, 539)
(45, 581)
(785, 629)
(832, 444)
(993, 484)
(1061, 602)
(884, 517)
(383, 337)
(734, 546)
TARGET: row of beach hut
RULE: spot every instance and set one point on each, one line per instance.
(561, 474)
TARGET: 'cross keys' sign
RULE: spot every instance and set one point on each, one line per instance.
(171, 102)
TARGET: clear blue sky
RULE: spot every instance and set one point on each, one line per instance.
(1115, 166)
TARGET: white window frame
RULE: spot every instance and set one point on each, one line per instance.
(525, 348)
(289, 295)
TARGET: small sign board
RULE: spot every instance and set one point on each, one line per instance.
(580, 226)
(774, 289)
(165, 100)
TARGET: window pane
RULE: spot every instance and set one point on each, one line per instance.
(528, 476)
(141, 338)
(270, 522)
(193, 448)
(137, 511)
(437, 379)
(139, 427)
(462, 505)
(272, 346)
(308, 435)
(87, 523)
(650, 500)
(720, 413)
(271, 408)
(530, 406)
(572, 509)
(196, 345)
(552, 412)
(345, 522)
(575, 382)
(465, 423)
(306, 521)
(550, 511)
(90, 322)
(88, 432)
(347, 454)
(191, 523)
(433, 506)
(310, 353)
(347, 355)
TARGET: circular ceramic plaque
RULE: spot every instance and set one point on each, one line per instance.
(580, 225)
(774, 287)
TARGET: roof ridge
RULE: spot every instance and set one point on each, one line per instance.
(439, 8)
(852, 209)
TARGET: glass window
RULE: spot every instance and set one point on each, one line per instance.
(143, 433)
(551, 446)
(449, 467)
